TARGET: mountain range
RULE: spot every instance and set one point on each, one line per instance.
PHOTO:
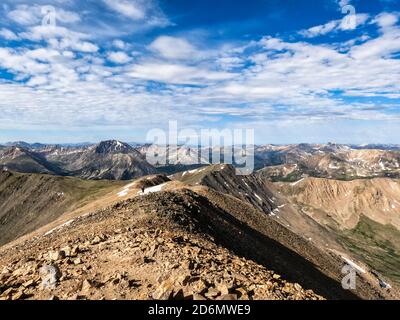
(284, 232)
(115, 160)
(112, 160)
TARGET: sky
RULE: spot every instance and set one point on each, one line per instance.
(294, 71)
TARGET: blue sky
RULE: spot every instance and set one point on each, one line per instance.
(294, 71)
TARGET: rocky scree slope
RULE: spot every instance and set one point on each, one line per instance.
(151, 247)
(288, 229)
(223, 178)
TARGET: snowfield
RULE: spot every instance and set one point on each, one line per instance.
(153, 189)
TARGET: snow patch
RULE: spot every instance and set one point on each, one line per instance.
(59, 227)
(354, 265)
(126, 190)
(153, 189)
(297, 182)
(384, 284)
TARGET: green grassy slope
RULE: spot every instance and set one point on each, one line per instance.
(376, 244)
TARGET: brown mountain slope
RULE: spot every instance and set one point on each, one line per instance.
(364, 216)
(264, 196)
(261, 195)
(223, 178)
(153, 247)
(26, 161)
(29, 201)
(344, 202)
(231, 222)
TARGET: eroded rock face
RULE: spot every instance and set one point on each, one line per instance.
(346, 202)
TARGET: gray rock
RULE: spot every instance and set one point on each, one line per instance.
(50, 275)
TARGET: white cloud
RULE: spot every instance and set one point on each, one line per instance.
(119, 57)
(175, 73)
(119, 44)
(343, 3)
(8, 34)
(321, 29)
(385, 19)
(37, 81)
(229, 62)
(382, 47)
(65, 74)
(60, 38)
(65, 16)
(21, 64)
(25, 15)
(332, 26)
(42, 54)
(128, 8)
(29, 15)
(173, 48)
(82, 46)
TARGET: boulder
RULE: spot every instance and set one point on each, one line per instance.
(56, 255)
(212, 293)
(164, 291)
(50, 275)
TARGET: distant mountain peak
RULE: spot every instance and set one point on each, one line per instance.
(22, 144)
(113, 146)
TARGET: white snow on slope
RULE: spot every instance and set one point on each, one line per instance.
(153, 189)
(59, 227)
(126, 190)
(354, 265)
(297, 182)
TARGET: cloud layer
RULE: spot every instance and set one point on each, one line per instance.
(72, 76)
